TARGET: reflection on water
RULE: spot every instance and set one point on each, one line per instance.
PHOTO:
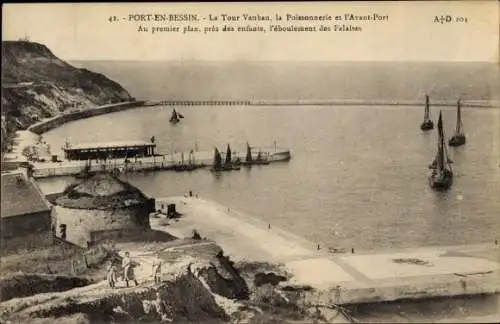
(357, 177)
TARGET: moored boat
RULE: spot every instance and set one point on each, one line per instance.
(259, 159)
(217, 164)
(228, 163)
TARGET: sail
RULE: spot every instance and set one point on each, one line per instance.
(427, 109)
(249, 154)
(442, 160)
(217, 159)
(191, 157)
(228, 155)
(459, 127)
(174, 115)
(440, 154)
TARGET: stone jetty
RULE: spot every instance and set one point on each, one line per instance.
(150, 163)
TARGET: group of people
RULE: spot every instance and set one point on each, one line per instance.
(128, 271)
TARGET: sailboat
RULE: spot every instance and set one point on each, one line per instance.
(217, 164)
(228, 156)
(248, 158)
(228, 163)
(441, 177)
(260, 159)
(427, 124)
(176, 117)
(458, 138)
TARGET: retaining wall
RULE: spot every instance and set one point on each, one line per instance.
(52, 123)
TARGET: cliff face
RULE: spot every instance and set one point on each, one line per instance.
(36, 85)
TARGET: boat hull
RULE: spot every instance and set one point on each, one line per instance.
(427, 125)
(441, 180)
(250, 163)
(186, 167)
(457, 140)
(280, 156)
(225, 168)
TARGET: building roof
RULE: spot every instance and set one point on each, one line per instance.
(20, 196)
(101, 191)
(81, 146)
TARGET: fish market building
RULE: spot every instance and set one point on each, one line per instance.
(110, 150)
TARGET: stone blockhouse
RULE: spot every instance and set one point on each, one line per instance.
(25, 213)
(100, 208)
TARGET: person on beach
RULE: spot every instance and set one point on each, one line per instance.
(128, 269)
(111, 275)
(338, 293)
(157, 270)
(196, 235)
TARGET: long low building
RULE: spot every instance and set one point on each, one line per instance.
(109, 150)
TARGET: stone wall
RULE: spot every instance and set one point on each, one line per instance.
(26, 242)
(81, 223)
(23, 225)
(52, 123)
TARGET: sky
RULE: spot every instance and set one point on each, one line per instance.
(409, 32)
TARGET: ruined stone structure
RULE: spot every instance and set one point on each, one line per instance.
(101, 207)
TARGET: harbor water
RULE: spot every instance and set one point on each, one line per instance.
(357, 177)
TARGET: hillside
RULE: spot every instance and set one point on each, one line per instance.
(36, 84)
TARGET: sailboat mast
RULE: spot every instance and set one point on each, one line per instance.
(440, 158)
(459, 118)
(426, 116)
(228, 155)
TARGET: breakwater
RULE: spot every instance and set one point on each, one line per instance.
(51, 123)
(322, 102)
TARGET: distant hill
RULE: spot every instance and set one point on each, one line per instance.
(36, 84)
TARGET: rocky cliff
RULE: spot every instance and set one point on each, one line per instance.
(36, 84)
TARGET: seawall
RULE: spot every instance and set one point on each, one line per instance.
(51, 123)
